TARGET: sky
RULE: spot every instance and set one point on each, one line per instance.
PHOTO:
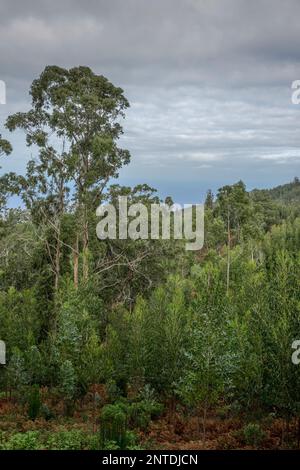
(208, 81)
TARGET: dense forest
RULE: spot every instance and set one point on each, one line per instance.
(128, 344)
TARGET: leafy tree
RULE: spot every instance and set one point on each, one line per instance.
(5, 149)
(233, 205)
(82, 110)
(67, 385)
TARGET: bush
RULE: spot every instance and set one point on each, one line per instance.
(34, 402)
(93, 442)
(46, 412)
(113, 424)
(253, 434)
(141, 413)
(23, 441)
(2, 440)
(62, 440)
(68, 386)
(67, 440)
(130, 439)
(113, 391)
(117, 418)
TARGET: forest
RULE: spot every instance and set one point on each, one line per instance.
(138, 344)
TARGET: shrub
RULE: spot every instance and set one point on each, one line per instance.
(2, 440)
(113, 423)
(93, 442)
(68, 386)
(23, 441)
(253, 434)
(46, 412)
(130, 439)
(34, 402)
(67, 440)
(142, 412)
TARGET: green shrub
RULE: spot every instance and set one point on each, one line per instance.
(67, 386)
(34, 402)
(253, 434)
(113, 391)
(117, 418)
(23, 441)
(113, 424)
(130, 440)
(2, 440)
(141, 413)
(110, 445)
(67, 440)
(46, 412)
(93, 442)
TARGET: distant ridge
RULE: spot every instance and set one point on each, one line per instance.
(286, 193)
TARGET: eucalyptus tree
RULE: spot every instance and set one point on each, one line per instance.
(5, 149)
(233, 205)
(44, 190)
(79, 112)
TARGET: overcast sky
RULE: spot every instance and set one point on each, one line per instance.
(209, 82)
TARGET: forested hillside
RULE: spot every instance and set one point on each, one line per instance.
(286, 193)
(138, 343)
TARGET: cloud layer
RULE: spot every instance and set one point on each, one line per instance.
(209, 82)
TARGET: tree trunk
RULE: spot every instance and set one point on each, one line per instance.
(57, 261)
(228, 253)
(85, 241)
(85, 252)
(75, 262)
(58, 233)
(204, 423)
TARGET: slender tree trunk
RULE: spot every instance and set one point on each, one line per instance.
(85, 241)
(57, 256)
(85, 251)
(75, 262)
(57, 261)
(204, 423)
(228, 253)
(282, 435)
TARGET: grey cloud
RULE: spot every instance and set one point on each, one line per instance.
(167, 41)
(208, 80)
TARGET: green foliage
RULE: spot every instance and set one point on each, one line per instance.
(5, 147)
(34, 402)
(67, 380)
(60, 440)
(23, 441)
(19, 322)
(68, 386)
(143, 412)
(16, 374)
(113, 425)
(148, 321)
(67, 440)
(46, 412)
(253, 434)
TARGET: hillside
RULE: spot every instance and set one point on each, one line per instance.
(285, 193)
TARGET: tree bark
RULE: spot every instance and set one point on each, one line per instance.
(85, 251)
(228, 252)
(76, 262)
(57, 264)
